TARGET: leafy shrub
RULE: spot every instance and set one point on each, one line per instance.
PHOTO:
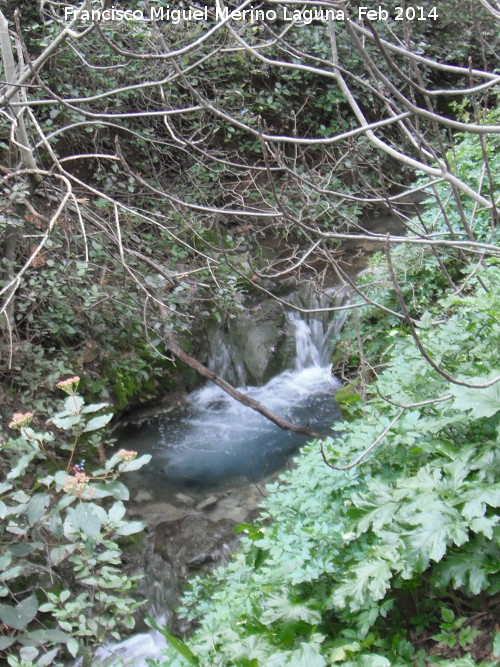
(61, 584)
(389, 561)
(422, 275)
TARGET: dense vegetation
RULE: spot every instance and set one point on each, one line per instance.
(394, 561)
(153, 175)
(393, 556)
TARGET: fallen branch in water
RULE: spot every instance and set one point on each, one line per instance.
(237, 395)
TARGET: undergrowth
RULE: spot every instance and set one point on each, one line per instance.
(394, 561)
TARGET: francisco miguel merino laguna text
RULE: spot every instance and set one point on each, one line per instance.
(177, 15)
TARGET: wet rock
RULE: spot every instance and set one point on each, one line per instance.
(185, 500)
(229, 508)
(208, 502)
(155, 513)
(143, 496)
(251, 350)
(194, 542)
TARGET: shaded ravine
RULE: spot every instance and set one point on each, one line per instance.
(214, 446)
(213, 440)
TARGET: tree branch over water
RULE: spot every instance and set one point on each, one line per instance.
(235, 393)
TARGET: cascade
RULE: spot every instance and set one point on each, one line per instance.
(214, 440)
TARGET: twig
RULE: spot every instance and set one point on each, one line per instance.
(367, 451)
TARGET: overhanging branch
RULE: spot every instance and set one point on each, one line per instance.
(236, 394)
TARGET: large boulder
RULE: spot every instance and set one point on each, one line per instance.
(254, 347)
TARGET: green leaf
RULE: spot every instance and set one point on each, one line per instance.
(47, 658)
(94, 407)
(73, 404)
(496, 644)
(98, 422)
(5, 642)
(38, 637)
(447, 614)
(482, 402)
(28, 654)
(37, 507)
(281, 609)
(19, 616)
(87, 517)
(117, 512)
(249, 530)
(21, 465)
(73, 646)
(341, 650)
(130, 528)
(135, 464)
(65, 423)
(366, 660)
(306, 656)
(21, 550)
(177, 644)
(113, 488)
(477, 497)
(14, 572)
(58, 554)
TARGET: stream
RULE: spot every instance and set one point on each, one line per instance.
(213, 443)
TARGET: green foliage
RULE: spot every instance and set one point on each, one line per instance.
(61, 583)
(356, 565)
(423, 275)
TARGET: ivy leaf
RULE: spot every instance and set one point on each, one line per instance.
(19, 616)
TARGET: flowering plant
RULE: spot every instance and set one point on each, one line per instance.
(57, 528)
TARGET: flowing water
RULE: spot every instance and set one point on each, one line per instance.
(214, 440)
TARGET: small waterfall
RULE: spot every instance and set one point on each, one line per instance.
(214, 440)
(270, 338)
(307, 334)
(223, 362)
